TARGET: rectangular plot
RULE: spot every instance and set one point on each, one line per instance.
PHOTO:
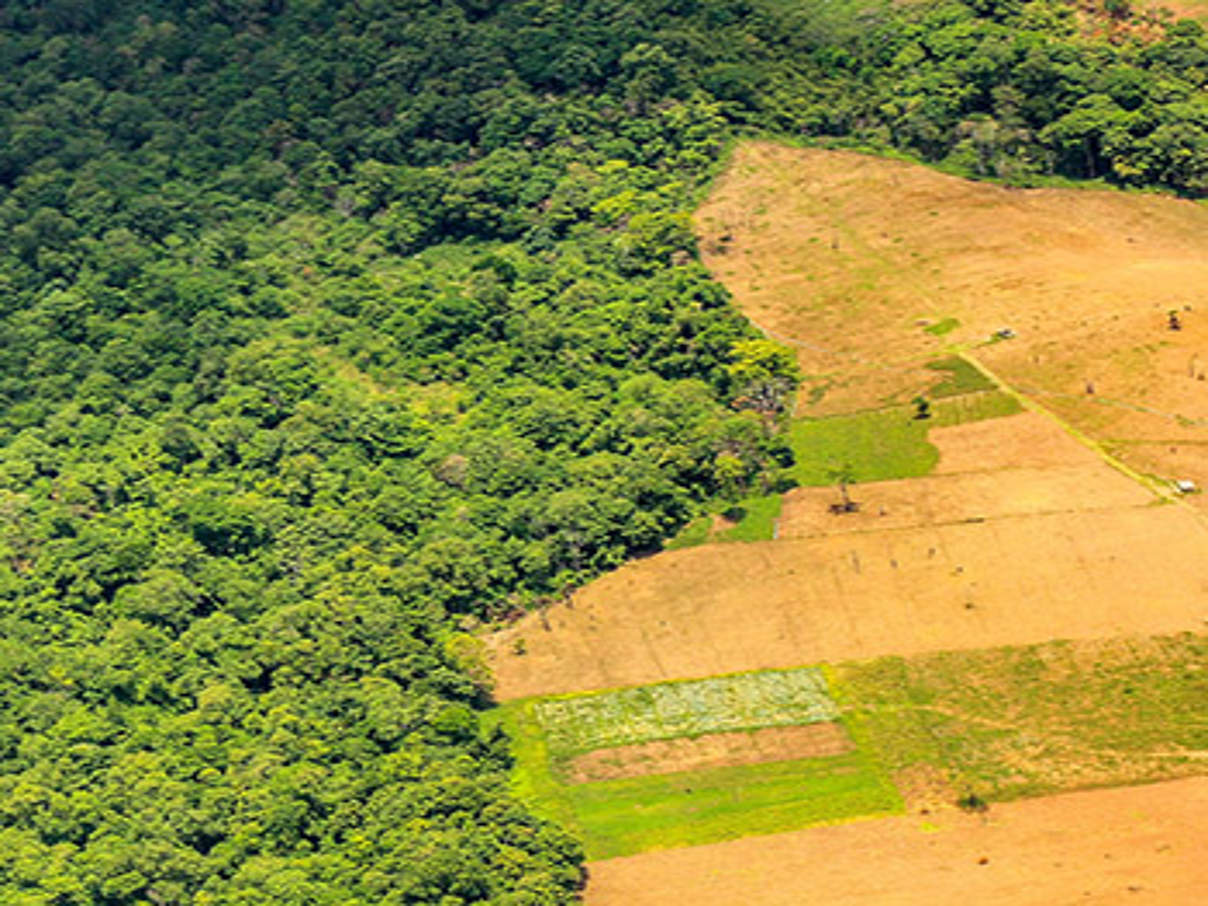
(669, 710)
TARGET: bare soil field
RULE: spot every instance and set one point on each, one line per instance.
(968, 497)
(850, 258)
(717, 609)
(714, 750)
(1024, 441)
(1138, 845)
(1014, 466)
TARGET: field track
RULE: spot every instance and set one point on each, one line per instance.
(1137, 845)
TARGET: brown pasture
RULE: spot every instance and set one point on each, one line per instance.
(848, 257)
(1019, 465)
(970, 497)
(1005, 581)
(714, 750)
(1137, 845)
(1028, 440)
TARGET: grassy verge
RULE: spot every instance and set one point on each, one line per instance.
(1012, 722)
(532, 780)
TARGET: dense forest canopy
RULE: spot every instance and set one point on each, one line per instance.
(327, 329)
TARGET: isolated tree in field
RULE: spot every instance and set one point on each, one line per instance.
(842, 476)
(922, 408)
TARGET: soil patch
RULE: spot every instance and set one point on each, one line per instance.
(1028, 440)
(713, 751)
(1104, 847)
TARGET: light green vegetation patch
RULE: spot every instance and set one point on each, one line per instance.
(754, 520)
(621, 817)
(1011, 722)
(961, 377)
(695, 532)
(869, 446)
(940, 328)
(625, 816)
(745, 701)
(973, 407)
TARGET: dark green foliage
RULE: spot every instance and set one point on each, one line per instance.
(324, 326)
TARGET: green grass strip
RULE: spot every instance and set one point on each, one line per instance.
(869, 446)
(621, 817)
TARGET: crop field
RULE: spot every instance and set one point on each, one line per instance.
(783, 761)
(999, 724)
(1026, 721)
(719, 704)
(621, 766)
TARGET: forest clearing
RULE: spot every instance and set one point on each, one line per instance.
(870, 268)
(1007, 593)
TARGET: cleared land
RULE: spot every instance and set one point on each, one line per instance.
(871, 268)
(700, 612)
(1141, 845)
(1023, 441)
(984, 533)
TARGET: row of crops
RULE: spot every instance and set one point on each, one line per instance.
(720, 704)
